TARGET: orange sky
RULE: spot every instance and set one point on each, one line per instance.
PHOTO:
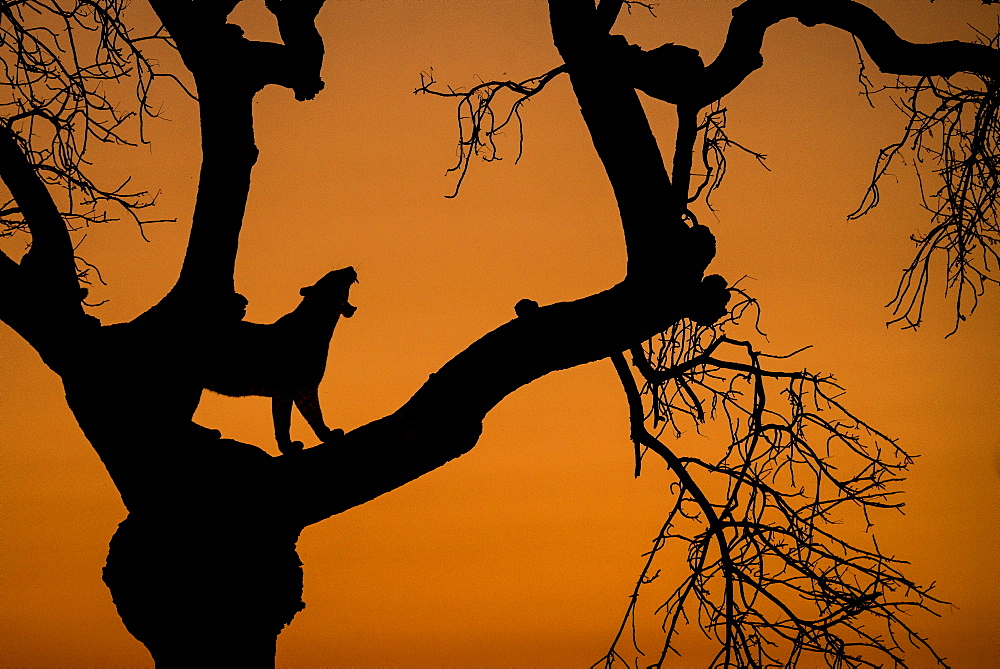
(521, 553)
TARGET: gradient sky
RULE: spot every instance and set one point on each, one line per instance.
(521, 553)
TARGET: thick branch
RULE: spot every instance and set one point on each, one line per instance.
(10, 276)
(8, 268)
(658, 242)
(687, 133)
(607, 13)
(621, 133)
(303, 44)
(442, 420)
(216, 51)
(741, 54)
(51, 253)
(46, 296)
(229, 71)
(228, 156)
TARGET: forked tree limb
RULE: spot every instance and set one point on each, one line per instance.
(621, 134)
(229, 71)
(442, 419)
(892, 54)
(217, 52)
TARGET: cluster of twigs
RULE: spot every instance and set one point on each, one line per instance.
(714, 142)
(773, 576)
(479, 123)
(70, 68)
(482, 117)
(952, 129)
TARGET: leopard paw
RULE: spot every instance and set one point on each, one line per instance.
(290, 447)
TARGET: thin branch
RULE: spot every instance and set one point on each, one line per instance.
(479, 123)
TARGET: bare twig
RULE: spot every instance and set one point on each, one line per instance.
(714, 142)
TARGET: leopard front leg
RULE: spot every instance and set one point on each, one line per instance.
(308, 403)
(281, 414)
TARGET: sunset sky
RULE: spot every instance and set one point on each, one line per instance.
(523, 552)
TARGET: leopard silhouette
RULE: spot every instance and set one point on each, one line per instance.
(285, 360)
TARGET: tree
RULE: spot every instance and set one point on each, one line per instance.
(444, 414)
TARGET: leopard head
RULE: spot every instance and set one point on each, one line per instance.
(333, 289)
